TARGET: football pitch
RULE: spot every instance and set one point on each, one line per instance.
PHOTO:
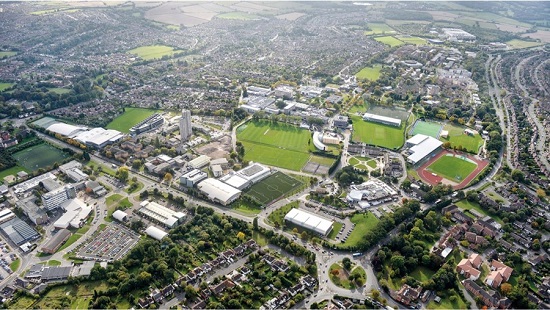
(452, 168)
(273, 187)
(275, 144)
(129, 118)
(153, 51)
(377, 134)
(426, 128)
(39, 156)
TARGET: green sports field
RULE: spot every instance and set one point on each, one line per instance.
(378, 28)
(426, 128)
(39, 156)
(369, 73)
(522, 44)
(412, 40)
(129, 118)
(457, 137)
(377, 134)
(4, 86)
(275, 144)
(153, 51)
(452, 168)
(388, 40)
(273, 187)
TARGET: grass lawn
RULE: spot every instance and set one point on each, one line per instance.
(58, 90)
(259, 238)
(426, 128)
(278, 216)
(362, 108)
(342, 279)
(11, 171)
(412, 40)
(335, 229)
(457, 137)
(153, 51)
(273, 187)
(377, 134)
(54, 262)
(110, 200)
(369, 73)
(467, 205)
(372, 163)
(445, 302)
(15, 265)
(237, 15)
(522, 44)
(39, 156)
(129, 118)
(135, 189)
(72, 239)
(24, 302)
(275, 144)
(452, 168)
(325, 161)
(121, 204)
(80, 303)
(363, 223)
(422, 273)
(247, 209)
(7, 54)
(391, 41)
(104, 168)
(378, 28)
(4, 86)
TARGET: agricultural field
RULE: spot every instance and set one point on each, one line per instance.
(412, 40)
(39, 156)
(153, 51)
(378, 28)
(4, 86)
(363, 223)
(522, 44)
(237, 16)
(369, 73)
(129, 118)
(275, 144)
(457, 138)
(7, 54)
(377, 134)
(388, 40)
(452, 168)
(273, 187)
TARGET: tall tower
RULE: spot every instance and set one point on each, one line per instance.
(185, 125)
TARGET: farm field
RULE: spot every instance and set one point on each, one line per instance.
(153, 51)
(452, 168)
(363, 223)
(377, 134)
(457, 137)
(426, 128)
(412, 40)
(275, 144)
(378, 28)
(369, 73)
(388, 40)
(129, 118)
(522, 44)
(273, 187)
(237, 16)
(7, 54)
(4, 86)
(39, 156)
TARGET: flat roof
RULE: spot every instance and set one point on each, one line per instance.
(417, 139)
(235, 181)
(387, 119)
(217, 190)
(309, 221)
(421, 150)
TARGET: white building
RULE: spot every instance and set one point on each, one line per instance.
(246, 177)
(53, 200)
(98, 137)
(120, 216)
(192, 177)
(185, 125)
(218, 191)
(161, 214)
(76, 212)
(421, 147)
(382, 119)
(155, 233)
(199, 162)
(309, 221)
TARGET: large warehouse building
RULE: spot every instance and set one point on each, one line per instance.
(422, 147)
(161, 214)
(247, 176)
(218, 191)
(94, 138)
(309, 221)
(56, 241)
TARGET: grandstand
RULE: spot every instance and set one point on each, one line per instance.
(382, 119)
(422, 147)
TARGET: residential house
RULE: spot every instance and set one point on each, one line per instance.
(218, 289)
(499, 273)
(469, 267)
(407, 294)
(492, 299)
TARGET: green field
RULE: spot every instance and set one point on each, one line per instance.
(7, 54)
(129, 118)
(58, 90)
(369, 73)
(391, 41)
(39, 156)
(277, 217)
(11, 171)
(457, 137)
(153, 51)
(363, 223)
(273, 187)
(446, 302)
(335, 230)
(275, 144)
(325, 161)
(15, 265)
(468, 205)
(412, 40)
(422, 274)
(4, 86)
(378, 28)
(452, 168)
(426, 128)
(522, 44)
(377, 134)
(237, 15)
(342, 279)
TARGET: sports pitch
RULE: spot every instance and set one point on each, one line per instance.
(391, 41)
(426, 128)
(129, 118)
(276, 144)
(452, 168)
(369, 73)
(153, 51)
(457, 137)
(273, 187)
(377, 134)
(39, 156)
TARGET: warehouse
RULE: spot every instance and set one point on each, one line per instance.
(309, 221)
(161, 214)
(6, 215)
(98, 137)
(56, 241)
(218, 191)
(18, 231)
(382, 119)
(66, 130)
(155, 233)
(199, 162)
(422, 147)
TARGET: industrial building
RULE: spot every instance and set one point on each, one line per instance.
(56, 241)
(6, 215)
(98, 138)
(161, 214)
(36, 214)
(40, 273)
(218, 191)
(18, 231)
(76, 212)
(422, 147)
(199, 162)
(152, 122)
(382, 119)
(186, 129)
(120, 216)
(155, 233)
(53, 200)
(309, 221)
(192, 177)
(341, 121)
(455, 34)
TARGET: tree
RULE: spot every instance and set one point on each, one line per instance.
(168, 177)
(346, 262)
(506, 288)
(517, 175)
(190, 291)
(541, 193)
(241, 235)
(122, 174)
(255, 223)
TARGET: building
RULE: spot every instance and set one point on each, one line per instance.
(98, 138)
(318, 141)
(185, 125)
(76, 212)
(218, 191)
(469, 267)
(155, 233)
(6, 215)
(56, 241)
(53, 200)
(199, 162)
(258, 91)
(161, 214)
(32, 183)
(284, 91)
(309, 221)
(36, 214)
(490, 299)
(373, 192)
(246, 177)
(18, 231)
(217, 170)
(154, 121)
(95, 188)
(193, 177)
(499, 273)
(341, 121)
(455, 34)
(382, 119)
(120, 216)
(422, 147)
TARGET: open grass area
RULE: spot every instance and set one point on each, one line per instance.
(391, 41)
(452, 168)
(111, 200)
(467, 205)
(54, 262)
(4, 86)
(422, 273)
(277, 217)
(412, 40)
(363, 223)
(129, 118)
(340, 277)
(458, 138)
(515, 43)
(276, 144)
(335, 230)
(24, 302)
(273, 187)
(81, 303)
(153, 51)
(15, 265)
(58, 90)
(446, 303)
(237, 16)
(7, 54)
(426, 128)
(247, 209)
(39, 156)
(377, 134)
(11, 171)
(104, 168)
(369, 73)
(378, 28)
(325, 161)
